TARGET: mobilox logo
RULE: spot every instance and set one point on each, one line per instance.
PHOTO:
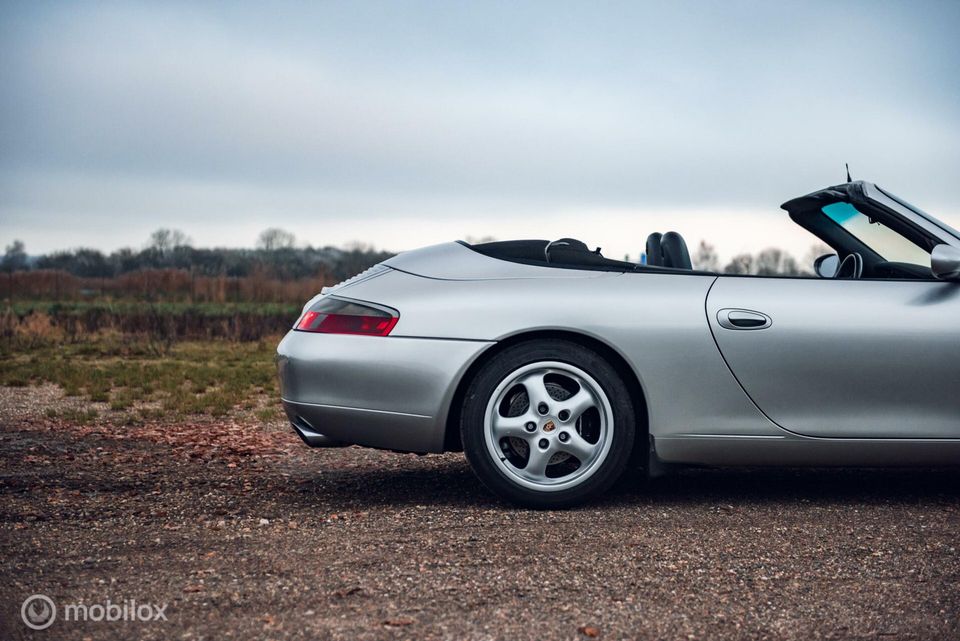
(39, 611)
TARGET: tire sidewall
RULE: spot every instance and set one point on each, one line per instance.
(492, 373)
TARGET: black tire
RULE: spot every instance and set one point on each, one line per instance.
(495, 371)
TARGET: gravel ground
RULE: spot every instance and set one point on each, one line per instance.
(265, 539)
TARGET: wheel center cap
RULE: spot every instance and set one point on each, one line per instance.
(549, 426)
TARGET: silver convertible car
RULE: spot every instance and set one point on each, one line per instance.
(555, 369)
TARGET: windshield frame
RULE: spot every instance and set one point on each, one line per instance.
(905, 208)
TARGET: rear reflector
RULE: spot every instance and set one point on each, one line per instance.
(335, 316)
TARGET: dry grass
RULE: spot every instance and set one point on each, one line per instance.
(130, 380)
(179, 285)
(157, 323)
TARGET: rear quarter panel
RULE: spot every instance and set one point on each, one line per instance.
(656, 322)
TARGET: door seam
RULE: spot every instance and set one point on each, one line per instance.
(713, 335)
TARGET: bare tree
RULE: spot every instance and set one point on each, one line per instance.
(15, 257)
(706, 257)
(768, 262)
(740, 264)
(164, 240)
(776, 262)
(789, 266)
(274, 238)
(358, 246)
(816, 251)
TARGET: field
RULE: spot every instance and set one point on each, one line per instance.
(160, 469)
(125, 382)
(131, 364)
(155, 324)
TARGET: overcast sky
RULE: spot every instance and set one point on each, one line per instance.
(408, 123)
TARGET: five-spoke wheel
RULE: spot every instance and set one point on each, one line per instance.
(547, 423)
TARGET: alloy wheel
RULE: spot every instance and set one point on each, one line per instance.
(548, 426)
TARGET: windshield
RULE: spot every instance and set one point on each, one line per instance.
(890, 245)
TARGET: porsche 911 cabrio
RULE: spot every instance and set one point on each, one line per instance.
(554, 368)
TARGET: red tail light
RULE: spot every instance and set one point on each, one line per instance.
(335, 316)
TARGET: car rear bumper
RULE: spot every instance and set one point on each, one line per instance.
(387, 392)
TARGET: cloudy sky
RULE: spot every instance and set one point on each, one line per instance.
(407, 123)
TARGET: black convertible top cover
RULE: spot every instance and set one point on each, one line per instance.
(534, 252)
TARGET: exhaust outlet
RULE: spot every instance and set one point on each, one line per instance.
(312, 437)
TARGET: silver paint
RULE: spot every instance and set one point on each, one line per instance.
(848, 358)
(388, 392)
(842, 372)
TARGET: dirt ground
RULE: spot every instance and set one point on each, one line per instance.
(245, 533)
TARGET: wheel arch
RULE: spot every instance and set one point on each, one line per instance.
(451, 440)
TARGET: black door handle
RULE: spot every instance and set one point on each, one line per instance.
(747, 323)
(743, 319)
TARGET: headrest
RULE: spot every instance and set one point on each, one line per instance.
(654, 251)
(675, 252)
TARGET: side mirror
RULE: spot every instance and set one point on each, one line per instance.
(827, 265)
(945, 262)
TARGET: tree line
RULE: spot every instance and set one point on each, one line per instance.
(275, 255)
(772, 261)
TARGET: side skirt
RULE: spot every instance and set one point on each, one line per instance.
(691, 449)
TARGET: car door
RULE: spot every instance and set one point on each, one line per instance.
(844, 358)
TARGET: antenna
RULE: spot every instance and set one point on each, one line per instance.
(849, 179)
